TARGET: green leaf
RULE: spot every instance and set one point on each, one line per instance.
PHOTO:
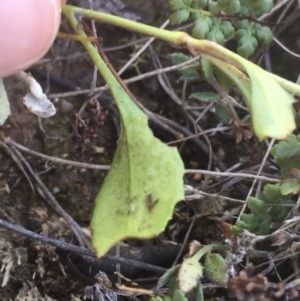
(243, 24)
(188, 73)
(225, 82)
(216, 35)
(198, 3)
(214, 8)
(271, 106)
(272, 193)
(179, 57)
(227, 29)
(179, 16)
(287, 148)
(263, 227)
(257, 206)
(4, 104)
(266, 6)
(248, 222)
(287, 166)
(223, 112)
(290, 186)
(265, 35)
(201, 27)
(247, 45)
(189, 274)
(207, 67)
(187, 2)
(279, 215)
(240, 33)
(229, 6)
(176, 4)
(206, 96)
(244, 10)
(179, 296)
(167, 276)
(198, 293)
(235, 230)
(144, 183)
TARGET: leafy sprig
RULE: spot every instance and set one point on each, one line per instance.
(210, 24)
(271, 209)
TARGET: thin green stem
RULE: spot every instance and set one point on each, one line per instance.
(195, 46)
(165, 35)
(209, 248)
(109, 78)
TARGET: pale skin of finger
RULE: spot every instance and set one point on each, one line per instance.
(27, 31)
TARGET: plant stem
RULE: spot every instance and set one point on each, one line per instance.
(209, 248)
(203, 47)
(75, 37)
(102, 67)
(165, 35)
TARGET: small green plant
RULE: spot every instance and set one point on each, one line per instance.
(287, 154)
(272, 208)
(224, 19)
(276, 202)
(135, 190)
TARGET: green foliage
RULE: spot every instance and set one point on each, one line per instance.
(223, 112)
(278, 104)
(257, 206)
(167, 276)
(255, 84)
(287, 153)
(190, 73)
(270, 209)
(287, 148)
(207, 67)
(206, 96)
(255, 8)
(229, 7)
(209, 24)
(180, 11)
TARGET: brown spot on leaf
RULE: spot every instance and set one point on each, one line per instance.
(150, 202)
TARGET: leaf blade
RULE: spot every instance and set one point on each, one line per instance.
(138, 194)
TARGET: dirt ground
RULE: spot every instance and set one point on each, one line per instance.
(84, 131)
